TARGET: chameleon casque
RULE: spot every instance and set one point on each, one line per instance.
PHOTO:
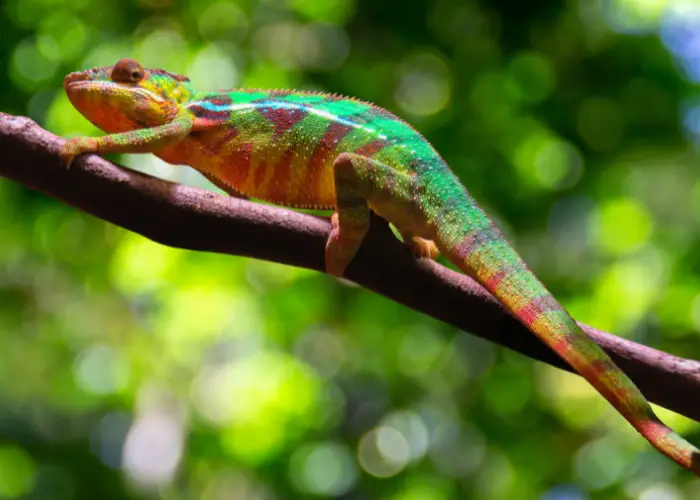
(325, 151)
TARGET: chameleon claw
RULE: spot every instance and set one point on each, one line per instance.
(66, 159)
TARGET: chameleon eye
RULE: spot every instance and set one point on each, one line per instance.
(127, 71)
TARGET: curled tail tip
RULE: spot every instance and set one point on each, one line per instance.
(671, 444)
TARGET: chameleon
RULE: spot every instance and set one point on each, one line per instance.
(306, 149)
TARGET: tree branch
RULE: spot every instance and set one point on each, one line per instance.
(190, 218)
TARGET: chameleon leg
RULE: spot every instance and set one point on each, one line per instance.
(420, 246)
(144, 140)
(359, 183)
(350, 220)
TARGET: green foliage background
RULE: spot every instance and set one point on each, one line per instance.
(131, 370)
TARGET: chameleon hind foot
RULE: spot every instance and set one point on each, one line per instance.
(358, 180)
(421, 248)
(345, 237)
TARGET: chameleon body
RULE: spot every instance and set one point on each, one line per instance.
(315, 150)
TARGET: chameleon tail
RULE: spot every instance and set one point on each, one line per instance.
(481, 252)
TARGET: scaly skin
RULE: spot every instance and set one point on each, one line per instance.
(305, 149)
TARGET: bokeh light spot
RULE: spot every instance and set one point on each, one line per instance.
(294, 45)
(212, 68)
(107, 438)
(30, 64)
(17, 472)
(321, 46)
(497, 96)
(324, 469)
(680, 32)
(223, 20)
(541, 158)
(68, 30)
(534, 74)
(140, 265)
(558, 165)
(153, 448)
(331, 11)
(413, 430)
(661, 492)
(101, 369)
(162, 48)
(383, 452)
(626, 290)
(422, 491)
(622, 225)
(425, 85)
(634, 16)
(393, 445)
(601, 463)
(259, 400)
(565, 492)
(419, 351)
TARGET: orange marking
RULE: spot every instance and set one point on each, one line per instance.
(278, 187)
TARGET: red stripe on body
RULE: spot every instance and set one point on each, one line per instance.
(220, 100)
(372, 148)
(282, 119)
(235, 171)
(495, 280)
(473, 241)
(536, 307)
(215, 144)
(311, 184)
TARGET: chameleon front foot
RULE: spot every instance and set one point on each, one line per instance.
(76, 146)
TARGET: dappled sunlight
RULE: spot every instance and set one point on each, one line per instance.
(18, 472)
(153, 449)
(601, 463)
(325, 469)
(260, 400)
(425, 85)
(570, 398)
(383, 452)
(101, 369)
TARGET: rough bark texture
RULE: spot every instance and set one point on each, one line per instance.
(186, 217)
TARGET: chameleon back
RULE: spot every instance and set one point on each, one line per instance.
(279, 146)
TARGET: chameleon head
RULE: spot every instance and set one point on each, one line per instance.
(126, 96)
